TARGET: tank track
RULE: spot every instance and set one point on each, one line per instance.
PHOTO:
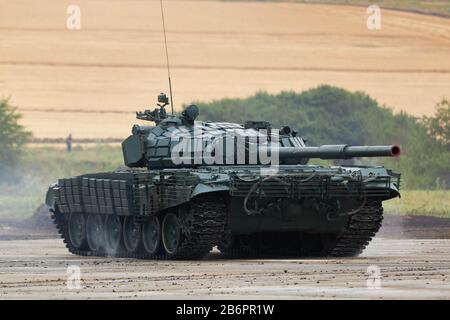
(210, 216)
(361, 228)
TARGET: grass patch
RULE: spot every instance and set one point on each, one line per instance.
(437, 7)
(40, 167)
(54, 163)
(420, 202)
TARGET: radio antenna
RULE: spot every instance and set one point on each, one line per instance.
(167, 55)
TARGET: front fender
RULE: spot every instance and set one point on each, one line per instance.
(50, 196)
(395, 192)
(203, 188)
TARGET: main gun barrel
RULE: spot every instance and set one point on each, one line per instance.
(338, 152)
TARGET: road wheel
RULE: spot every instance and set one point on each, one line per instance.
(113, 234)
(131, 234)
(151, 235)
(77, 230)
(95, 232)
(171, 234)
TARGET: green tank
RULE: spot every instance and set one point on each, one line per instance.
(248, 189)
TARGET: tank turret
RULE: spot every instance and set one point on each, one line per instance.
(179, 141)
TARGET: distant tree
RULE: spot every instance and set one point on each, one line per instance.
(12, 136)
(439, 125)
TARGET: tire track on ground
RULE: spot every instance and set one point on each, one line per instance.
(216, 67)
(208, 32)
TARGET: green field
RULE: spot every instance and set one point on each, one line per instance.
(421, 202)
(438, 7)
(43, 166)
(424, 6)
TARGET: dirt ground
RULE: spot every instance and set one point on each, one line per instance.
(116, 61)
(411, 252)
(409, 269)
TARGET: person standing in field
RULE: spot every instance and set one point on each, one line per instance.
(69, 142)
